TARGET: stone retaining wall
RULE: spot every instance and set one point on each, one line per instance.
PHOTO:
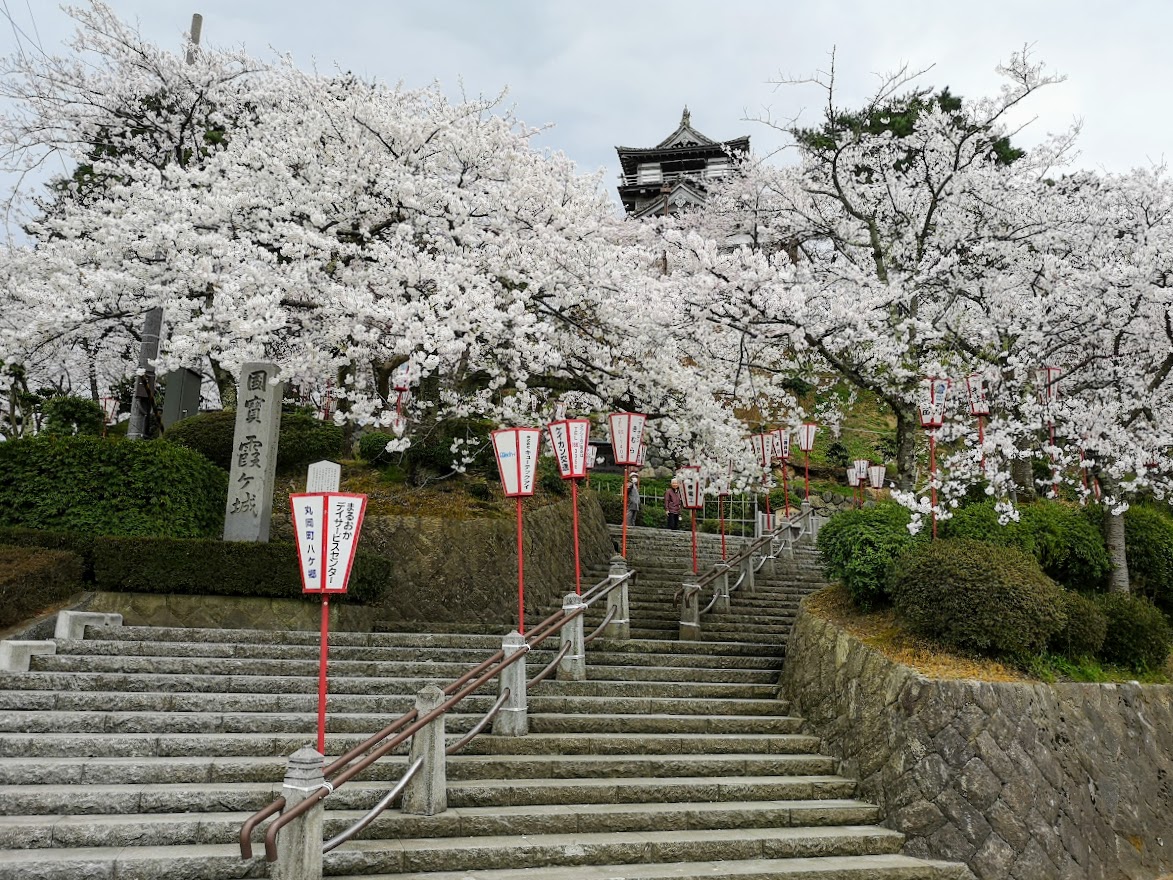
(229, 612)
(1020, 781)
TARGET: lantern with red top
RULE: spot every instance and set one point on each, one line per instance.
(932, 416)
(326, 526)
(694, 499)
(977, 389)
(627, 440)
(806, 442)
(570, 439)
(516, 450)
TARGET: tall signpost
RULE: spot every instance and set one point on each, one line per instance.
(763, 450)
(977, 389)
(932, 417)
(326, 527)
(724, 490)
(690, 483)
(627, 440)
(1048, 382)
(861, 478)
(806, 442)
(570, 439)
(516, 450)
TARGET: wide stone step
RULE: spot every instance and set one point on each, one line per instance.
(174, 829)
(472, 853)
(103, 769)
(215, 796)
(596, 743)
(881, 867)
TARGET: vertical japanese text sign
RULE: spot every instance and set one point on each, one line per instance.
(569, 439)
(516, 450)
(627, 433)
(254, 454)
(690, 481)
(326, 527)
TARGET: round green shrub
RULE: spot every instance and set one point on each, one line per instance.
(977, 597)
(110, 487)
(372, 447)
(1066, 544)
(66, 416)
(1138, 635)
(1148, 536)
(303, 438)
(859, 546)
(1083, 633)
(431, 449)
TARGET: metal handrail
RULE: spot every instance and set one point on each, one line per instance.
(339, 839)
(480, 725)
(553, 664)
(602, 626)
(467, 684)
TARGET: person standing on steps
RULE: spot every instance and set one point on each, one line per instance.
(633, 500)
(673, 504)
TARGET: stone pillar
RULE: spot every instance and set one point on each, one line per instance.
(572, 667)
(748, 586)
(254, 454)
(299, 844)
(427, 792)
(690, 618)
(723, 588)
(513, 719)
(620, 625)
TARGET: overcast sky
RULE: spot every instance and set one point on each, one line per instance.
(605, 72)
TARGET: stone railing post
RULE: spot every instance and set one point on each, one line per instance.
(299, 844)
(750, 574)
(723, 589)
(426, 793)
(690, 618)
(513, 719)
(572, 667)
(620, 625)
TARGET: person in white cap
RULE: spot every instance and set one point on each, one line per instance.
(633, 500)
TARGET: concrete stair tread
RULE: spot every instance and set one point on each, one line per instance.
(875, 867)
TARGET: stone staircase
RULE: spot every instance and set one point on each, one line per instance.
(137, 753)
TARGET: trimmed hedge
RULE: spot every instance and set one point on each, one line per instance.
(1084, 632)
(859, 547)
(80, 545)
(372, 447)
(303, 438)
(221, 568)
(33, 579)
(977, 597)
(1138, 635)
(65, 416)
(110, 487)
(432, 450)
(1066, 544)
(1148, 536)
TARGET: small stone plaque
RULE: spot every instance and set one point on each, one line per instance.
(323, 476)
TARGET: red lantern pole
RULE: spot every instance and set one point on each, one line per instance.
(323, 651)
(577, 564)
(623, 552)
(786, 487)
(721, 520)
(520, 575)
(982, 439)
(1054, 463)
(694, 568)
(808, 475)
(933, 477)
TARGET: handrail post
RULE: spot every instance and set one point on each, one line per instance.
(572, 666)
(620, 625)
(426, 793)
(513, 719)
(812, 523)
(723, 590)
(749, 573)
(299, 845)
(690, 619)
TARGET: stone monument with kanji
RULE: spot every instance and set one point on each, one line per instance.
(254, 454)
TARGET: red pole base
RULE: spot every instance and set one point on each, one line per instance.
(322, 659)
(520, 575)
(577, 563)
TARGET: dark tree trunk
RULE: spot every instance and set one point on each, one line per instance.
(1114, 535)
(907, 426)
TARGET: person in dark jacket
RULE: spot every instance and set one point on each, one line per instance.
(673, 504)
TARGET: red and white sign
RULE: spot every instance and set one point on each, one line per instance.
(627, 437)
(690, 482)
(401, 377)
(1048, 382)
(762, 448)
(570, 439)
(934, 399)
(806, 436)
(861, 468)
(876, 475)
(326, 529)
(516, 450)
(781, 438)
(977, 387)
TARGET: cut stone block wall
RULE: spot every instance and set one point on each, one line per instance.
(1019, 781)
